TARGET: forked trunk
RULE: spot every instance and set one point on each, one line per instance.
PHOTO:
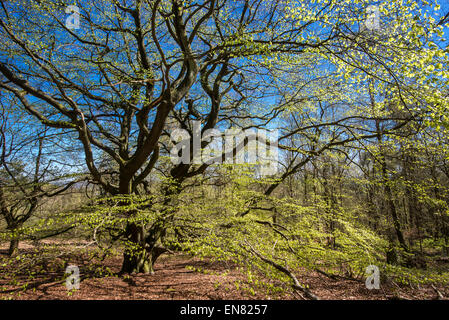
(140, 256)
(136, 258)
(137, 262)
(144, 251)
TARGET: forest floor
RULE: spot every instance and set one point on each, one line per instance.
(177, 276)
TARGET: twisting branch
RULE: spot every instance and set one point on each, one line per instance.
(296, 285)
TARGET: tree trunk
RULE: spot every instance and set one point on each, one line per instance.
(387, 189)
(139, 262)
(390, 202)
(141, 256)
(136, 258)
(144, 249)
(394, 216)
(13, 246)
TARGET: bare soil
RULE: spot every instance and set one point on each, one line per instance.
(180, 277)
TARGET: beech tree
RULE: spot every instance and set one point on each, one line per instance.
(116, 79)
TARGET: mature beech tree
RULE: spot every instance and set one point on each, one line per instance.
(131, 65)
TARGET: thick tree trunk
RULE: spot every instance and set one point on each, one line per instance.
(137, 262)
(13, 247)
(136, 258)
(141, 256)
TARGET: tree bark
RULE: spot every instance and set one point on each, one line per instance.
(385, 181)
(136, 258)
(145, 251)
(13, 247)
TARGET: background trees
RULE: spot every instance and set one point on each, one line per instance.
(30, 172)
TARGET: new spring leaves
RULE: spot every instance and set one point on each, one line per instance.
(256, 149)
(261, 147)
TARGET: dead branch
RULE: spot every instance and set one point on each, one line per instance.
(296, 285)
(439, 294)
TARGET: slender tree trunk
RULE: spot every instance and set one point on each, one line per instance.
(389, 198)
(446, 241)
(306, 200)
(383, 167)
(394, 216)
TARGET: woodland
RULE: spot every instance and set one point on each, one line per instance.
(351, 97)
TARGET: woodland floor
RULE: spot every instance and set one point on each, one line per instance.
(177, 277)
